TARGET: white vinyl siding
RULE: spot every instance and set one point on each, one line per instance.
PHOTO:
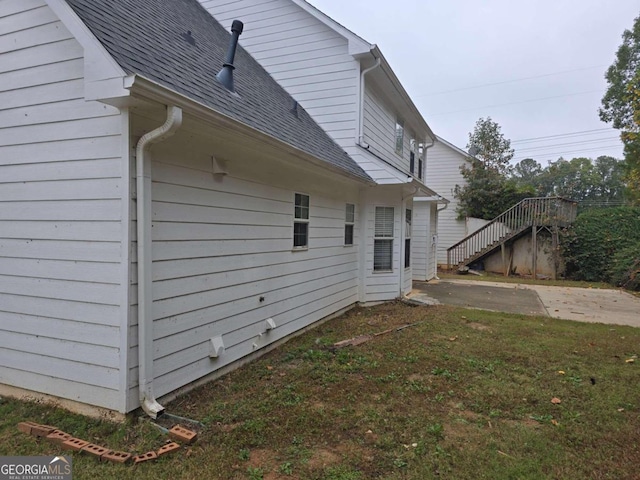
(423, 230)
(442, 175)
(306, 57)
(61, 209)
(219, 246)
(384, 129)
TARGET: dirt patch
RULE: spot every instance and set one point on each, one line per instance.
(262, 458)
(478, 326)
(323, 458)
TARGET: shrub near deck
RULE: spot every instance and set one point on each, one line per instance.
(463, 394)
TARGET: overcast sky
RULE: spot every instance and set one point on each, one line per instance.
(537, 67)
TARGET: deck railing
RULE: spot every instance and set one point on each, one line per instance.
(541, 211)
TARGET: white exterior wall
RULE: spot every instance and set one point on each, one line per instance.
(379, 126)
(61, 217)
(424, 228)
(312, 63)
(220, 244)
(443, 174)
(381, 286)
(307, 58)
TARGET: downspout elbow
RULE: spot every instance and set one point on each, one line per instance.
(143, 209)
(360, 129)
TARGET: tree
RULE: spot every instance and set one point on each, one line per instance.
(621, 102)
(526, 174)
(487, 192)
(593, 183)
(488, 144)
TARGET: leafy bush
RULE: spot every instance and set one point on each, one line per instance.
(625, 271)
(593, 246)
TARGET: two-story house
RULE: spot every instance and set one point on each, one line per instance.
(349, 88)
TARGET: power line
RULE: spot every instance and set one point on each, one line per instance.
(508, 81)
(569, 134)
(582, 142)
(516, 103)
(566, 152)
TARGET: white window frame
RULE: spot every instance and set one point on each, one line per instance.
(408, 220)
(349, 223)
(383, 236)
(412, 156)
(399, 136)
(301, 215)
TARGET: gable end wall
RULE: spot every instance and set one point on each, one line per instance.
(61, 229)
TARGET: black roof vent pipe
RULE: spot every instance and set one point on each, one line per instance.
(225, 76)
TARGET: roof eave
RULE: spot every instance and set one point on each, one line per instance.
(143, 87)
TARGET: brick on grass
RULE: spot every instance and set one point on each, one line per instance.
(25, 427)
(182, 434)
(145, 457)
(168, 448)
(42, 430)
(58, 437)
(74, 444)
(116, 457)
(94, 449)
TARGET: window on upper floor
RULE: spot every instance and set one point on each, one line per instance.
(301, 221)
(383, 240)
(399, 136)
(407, 237)
(349, 220)
(412, 155)
(420, 168)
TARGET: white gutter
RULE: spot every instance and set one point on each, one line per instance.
(143, 205)
(360, 129)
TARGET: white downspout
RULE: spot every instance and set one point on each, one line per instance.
(360, 129)
(143, 206)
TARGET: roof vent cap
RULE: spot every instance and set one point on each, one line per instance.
(225, 75)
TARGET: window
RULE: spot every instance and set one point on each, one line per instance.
(420, 168)
(301, 221)
(349, 220)
(399, 136)
(407, 238)
(412, 155)
(383, 240)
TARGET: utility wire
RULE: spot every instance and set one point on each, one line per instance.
(472, 87)
(582, 142)
(559, 154)
(515, 103)
(570, 134)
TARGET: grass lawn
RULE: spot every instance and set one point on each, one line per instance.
(464, 394)
(495, 277)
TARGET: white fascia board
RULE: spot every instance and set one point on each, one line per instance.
(142, 87)
(416, 117)
(454, 148)
(357, 45)
(103, 76)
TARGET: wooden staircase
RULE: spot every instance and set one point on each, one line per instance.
(528, 215)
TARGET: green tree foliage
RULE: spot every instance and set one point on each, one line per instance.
(594, 246)
(598, 182)
(488, 191)
(621, 103)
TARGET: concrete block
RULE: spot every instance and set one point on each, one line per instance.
(182, 434)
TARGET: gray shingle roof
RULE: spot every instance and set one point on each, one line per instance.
(146, 37)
